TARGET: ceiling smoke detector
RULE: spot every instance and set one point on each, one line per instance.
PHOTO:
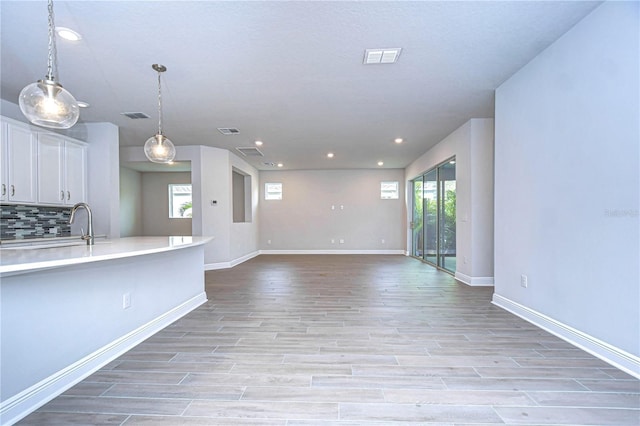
(228, 130)
(381, 56)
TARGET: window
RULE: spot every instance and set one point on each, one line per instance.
(179, 201)
(273, 191)
(389, 190)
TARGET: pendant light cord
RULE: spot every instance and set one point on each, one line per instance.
(159, 105)
(53, 51)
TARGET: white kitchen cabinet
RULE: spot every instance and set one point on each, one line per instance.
(75, 172)
(62, 167)
(18, 163)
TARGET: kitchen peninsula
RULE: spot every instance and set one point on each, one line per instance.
(67, 311)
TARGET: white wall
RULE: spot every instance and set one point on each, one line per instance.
(211, 174)
(243, 240)
(130, 203)
(304, 220)
(103, 176)
(155, 204)
(567, 183)
(215, 178)
(472, 145)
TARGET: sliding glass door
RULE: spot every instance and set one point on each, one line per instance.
(417, 218)
(431, 216)
(434, 216)
(447, 216)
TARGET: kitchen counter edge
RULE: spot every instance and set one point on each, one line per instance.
(20, 261)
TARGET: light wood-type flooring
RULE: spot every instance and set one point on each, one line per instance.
(348, 340)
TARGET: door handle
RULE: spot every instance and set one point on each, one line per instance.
(13, 190)
(62, 195)
(68, 195)
(4, 189)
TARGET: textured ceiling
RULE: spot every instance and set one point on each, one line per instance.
(287, 73)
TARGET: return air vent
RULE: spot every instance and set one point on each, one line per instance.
(250, 151)
(228, 130)
(381, 56)
(135, 115)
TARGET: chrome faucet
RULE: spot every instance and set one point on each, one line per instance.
(88, 237)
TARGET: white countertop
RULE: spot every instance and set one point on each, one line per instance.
(14, 259)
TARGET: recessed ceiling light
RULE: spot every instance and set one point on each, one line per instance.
(280, 165)
(82, 104)
(330, 155)
(68, 34)
(380, 163)
(258, 143)
(398, 140)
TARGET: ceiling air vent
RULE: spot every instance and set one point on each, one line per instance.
(134, 115)
(228, 130)
(250, 152)
(381, 56)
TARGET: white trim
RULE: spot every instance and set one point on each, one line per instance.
(332, 252)
(617, 357)
(20, 405)
(474, 281)
(231, 263)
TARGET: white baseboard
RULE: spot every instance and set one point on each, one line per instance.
(231, 263)
(617, 357)
(332, 252)
(20, 405)
(474, 281)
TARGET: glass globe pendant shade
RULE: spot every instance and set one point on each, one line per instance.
(46, 103)
(159, 149)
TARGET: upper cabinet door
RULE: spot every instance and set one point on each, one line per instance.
(75, 172)
(62, 164)
(50, 169)
(21, 160)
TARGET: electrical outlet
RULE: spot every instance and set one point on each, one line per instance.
(126, 301)
(382, 241)
(269, 242)
(341, 241)
(333, 241)
(524, 282)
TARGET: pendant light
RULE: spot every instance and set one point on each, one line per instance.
(46, 103)
(158, 148)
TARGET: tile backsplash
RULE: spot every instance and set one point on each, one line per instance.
(19, 222)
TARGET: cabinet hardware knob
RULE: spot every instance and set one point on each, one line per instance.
(4, 189)
(68, 195)
(13, 190)
(62, 195)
